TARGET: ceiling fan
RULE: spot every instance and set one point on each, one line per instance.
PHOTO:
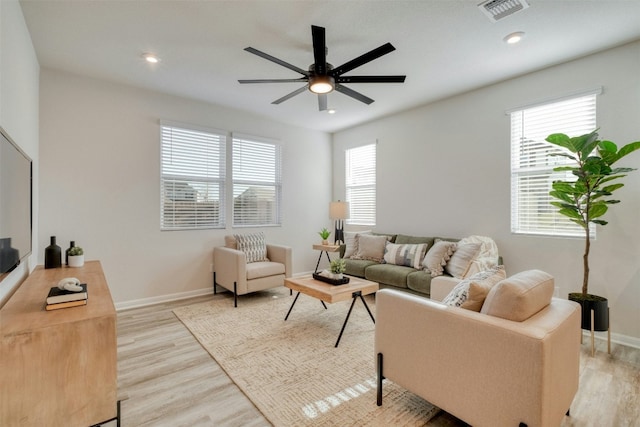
(322, 78)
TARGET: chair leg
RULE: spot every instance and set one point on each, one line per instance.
(235, 294)
(380, 378)
(214, 283)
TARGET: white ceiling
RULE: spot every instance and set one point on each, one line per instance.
(443, 46)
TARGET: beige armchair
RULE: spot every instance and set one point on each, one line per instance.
(484, 369)
(232, 271)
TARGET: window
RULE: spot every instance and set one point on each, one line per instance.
(192, 180)
(257, 181)
(360, 172)
(532, 166)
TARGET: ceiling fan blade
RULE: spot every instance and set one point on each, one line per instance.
(276, 60)
(370, 79)
(300, 80)
(319, 50)
(363, 59)
(352, 93)
(322, 102)
(290, 95)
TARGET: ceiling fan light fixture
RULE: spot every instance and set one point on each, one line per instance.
(514, 38)
(150, 58)
(321, 84)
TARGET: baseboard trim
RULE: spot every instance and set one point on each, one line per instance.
(615, 338)
(126, 305)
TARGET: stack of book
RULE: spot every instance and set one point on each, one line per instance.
(60, 298)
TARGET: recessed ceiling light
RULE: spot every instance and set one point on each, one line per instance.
(331, 111)
(150, 58)
(514, 38)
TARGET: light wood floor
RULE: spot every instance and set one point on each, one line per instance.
(165, 378)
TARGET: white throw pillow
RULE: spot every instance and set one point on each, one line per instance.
(460, 262)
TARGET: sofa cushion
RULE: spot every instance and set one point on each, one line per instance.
(356, 267)
(437, 257)
(370, 247)
(520, 296)
(460, 262)
(264, 269)
(230, 242)
(351, 243)
(253, 245)
(402, 239)
(420, 281)
(410, 255)
(460, 292)
(394, 275)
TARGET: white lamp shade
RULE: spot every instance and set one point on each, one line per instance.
(339, 210)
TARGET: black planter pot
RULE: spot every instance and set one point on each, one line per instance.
(600, 306)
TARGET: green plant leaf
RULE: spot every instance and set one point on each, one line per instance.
(628, 149)
(611, 178)
(561, 195)
(600, 222)
(597, 210)
(571, 213)
(580, 223)
(564, 168)
(612, 188)
(562, 140)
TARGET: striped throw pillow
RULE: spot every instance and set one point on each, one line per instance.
(410, 255)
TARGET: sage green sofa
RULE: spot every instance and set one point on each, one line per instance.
(396, 276)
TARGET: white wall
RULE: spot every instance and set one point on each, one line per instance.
(100, 180)
(19, 73)
(443, 169)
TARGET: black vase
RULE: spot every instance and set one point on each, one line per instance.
(66, 253)
(600, 307)
(53, 255)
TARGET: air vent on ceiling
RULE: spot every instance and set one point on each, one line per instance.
(499, 9)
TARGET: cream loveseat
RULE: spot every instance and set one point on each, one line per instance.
(248, 264)
(484, 367)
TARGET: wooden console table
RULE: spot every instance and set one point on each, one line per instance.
(59, 368)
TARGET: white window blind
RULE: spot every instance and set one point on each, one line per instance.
(532, 165)
(360, 173)
(192, 180)
(257, 181)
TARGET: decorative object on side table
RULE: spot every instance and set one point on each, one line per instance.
(338, 266)
(339, 211)
(324, 235)
(585, 200)
(53, 255)
(75, 256)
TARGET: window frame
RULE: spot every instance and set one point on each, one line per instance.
(275, 180)
(205, 162)
(362, 212)
(531, 210)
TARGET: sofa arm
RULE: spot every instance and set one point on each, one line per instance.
(485, 370)
(283, 255)
(230, 265)
(441, 286)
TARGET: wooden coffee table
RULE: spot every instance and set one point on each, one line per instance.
(356, 288)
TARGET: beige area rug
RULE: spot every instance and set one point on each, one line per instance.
(291, 370)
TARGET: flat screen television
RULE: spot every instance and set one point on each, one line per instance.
(15, 205)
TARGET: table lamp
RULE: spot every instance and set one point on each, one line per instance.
(339, 211)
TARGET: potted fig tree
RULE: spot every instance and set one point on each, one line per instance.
(586, 198)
